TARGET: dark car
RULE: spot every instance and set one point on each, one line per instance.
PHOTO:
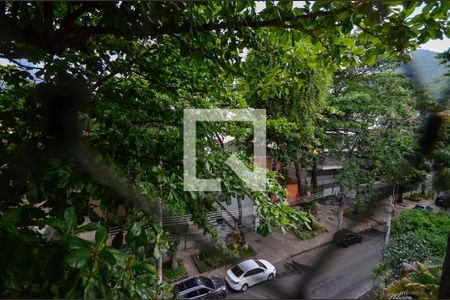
(346, 237)
(423, 206)
(442, 199)
(201, 287)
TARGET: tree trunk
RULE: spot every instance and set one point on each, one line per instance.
(314, 176)
(423, 188)
(444, 288)
(174, 256)
(239, 203)
(341, 213)
(395, 192)
(298, 176)
(241, 232)
(400, 194)
(388, 222)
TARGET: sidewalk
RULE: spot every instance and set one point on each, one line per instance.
(278, 246)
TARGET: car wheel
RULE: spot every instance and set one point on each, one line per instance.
(270, 277)
(244, 288)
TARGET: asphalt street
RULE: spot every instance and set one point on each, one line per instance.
(344, 273)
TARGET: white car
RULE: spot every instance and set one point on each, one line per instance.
(248, 273)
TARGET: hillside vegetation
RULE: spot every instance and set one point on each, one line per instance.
(427, 71)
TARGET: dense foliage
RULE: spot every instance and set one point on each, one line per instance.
(420, 282)
(91, 108)
(417, 235)
(432, 229)
(371, 124)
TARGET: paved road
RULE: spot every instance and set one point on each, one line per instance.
(346, 275)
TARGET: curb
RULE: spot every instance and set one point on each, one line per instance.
(330, 242)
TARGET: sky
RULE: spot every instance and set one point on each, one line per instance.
(437, 45)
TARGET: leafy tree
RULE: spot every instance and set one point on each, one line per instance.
(371, 126)
(441, 181)
(91, 118)
(287, 82)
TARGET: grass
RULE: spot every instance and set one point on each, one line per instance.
(172, 275)
(210, 259)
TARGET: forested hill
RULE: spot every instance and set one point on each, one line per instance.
(428, 72)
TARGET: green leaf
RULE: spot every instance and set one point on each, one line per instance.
(118, 255)
(136, 229)
(107, 257)
(70, 218)
(100, 236)
(263, 230)
(74, 243)
(307, 225)
(57, 224)
(78, 258)
(371, 58)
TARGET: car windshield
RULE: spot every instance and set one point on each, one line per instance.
(261, 264)
(187, 284)
(237, 271)
(206, 281)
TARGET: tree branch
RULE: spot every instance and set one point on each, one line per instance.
(48, 17)
(20, 64)
(69, 20)
(76, 37)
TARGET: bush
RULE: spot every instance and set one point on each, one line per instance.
(304, 233)
(310, 207)
(431, 229)
(172, 275)
(420, 282)
(209, 259)
(406, 248)
(417, 197)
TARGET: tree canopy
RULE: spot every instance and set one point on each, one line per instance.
(91, 108)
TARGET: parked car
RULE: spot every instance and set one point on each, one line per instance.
(442, 199)
(201, 287)
(346, 237)
(250, 272)
(423, 206)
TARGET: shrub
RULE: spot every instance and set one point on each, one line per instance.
(431, 229)
(304, 233)
(310, 207)
(416, 197)
(421, 282)
(406, 248)
(172, 275)
(208, 259)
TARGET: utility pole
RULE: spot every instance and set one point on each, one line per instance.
(388, 222)
(160, 258)
(159, 266)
